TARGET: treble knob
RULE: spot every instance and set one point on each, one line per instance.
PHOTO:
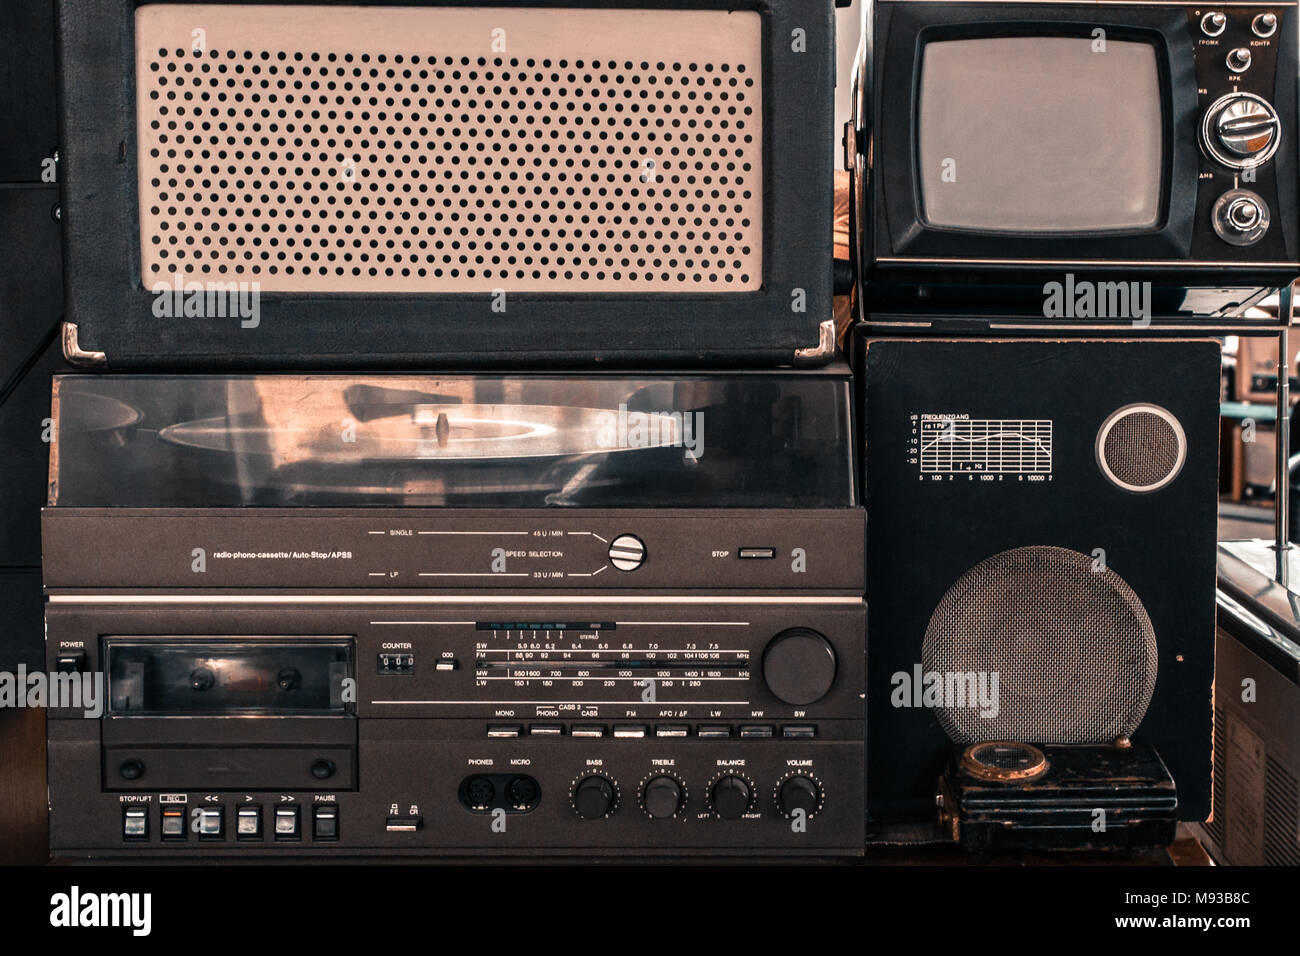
(1241, 130)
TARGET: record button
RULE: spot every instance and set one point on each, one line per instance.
(173, 823)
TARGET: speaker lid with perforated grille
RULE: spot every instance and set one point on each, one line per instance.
(1141, 447)
(1072, 648)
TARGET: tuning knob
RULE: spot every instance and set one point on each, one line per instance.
(662, 797)
(731, 797)
(799, 793)
(1240, 130)
(1240, 217)
(593, 797)
(799, 666)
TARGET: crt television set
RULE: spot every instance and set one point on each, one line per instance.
(1151, 140)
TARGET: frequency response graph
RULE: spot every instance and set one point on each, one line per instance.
(993, 445)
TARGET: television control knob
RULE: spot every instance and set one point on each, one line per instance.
(799, 666)
(1238, 59)
(1240, 130)
(1213, 23)
(731, 797)
(662, 797)
(627, 552)
(593, 797)
(1240, 217)
(1264, 25)
(799, 793)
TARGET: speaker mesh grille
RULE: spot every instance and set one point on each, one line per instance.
(1141, 448)
(339, 149)
(1073, 649)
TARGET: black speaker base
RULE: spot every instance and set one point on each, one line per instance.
(1085, 798)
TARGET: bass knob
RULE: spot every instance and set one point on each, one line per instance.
(594, 797)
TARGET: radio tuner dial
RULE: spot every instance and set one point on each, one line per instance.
(1240, 217)
(662, 797)
(1213, 23)
(594, 797)
(1240, 130)
(731, 797)
(799, 666)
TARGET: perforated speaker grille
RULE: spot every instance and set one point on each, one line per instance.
(1141, 447)
(349, 149)
(1072, 647)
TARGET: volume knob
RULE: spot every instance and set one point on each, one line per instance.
(799, 793)
(799, 666)
(1240, 130)
(593, 797)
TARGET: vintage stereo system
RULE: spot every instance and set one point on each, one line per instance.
(1256, 709)
(1003, 145)
(469, 614)
(1040, 565)
(417, 183)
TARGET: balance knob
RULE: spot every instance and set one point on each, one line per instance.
(593, 797)
(1240, 217)
(662, 797)
(799, 793)
(731, 798)
(799, 666)
(1240, 130)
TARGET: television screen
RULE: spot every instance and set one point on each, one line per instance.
(1040, 135)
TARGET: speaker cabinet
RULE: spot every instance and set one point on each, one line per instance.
(1040, 554)
(434, 182)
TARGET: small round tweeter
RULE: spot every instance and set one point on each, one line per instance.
(1141, 447)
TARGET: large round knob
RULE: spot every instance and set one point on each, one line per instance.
(798, 793)
(731, 798)
(593, 797)
(627, 552)
(1240, 130)
(1240, 217)
(799, 666)
(662, 797)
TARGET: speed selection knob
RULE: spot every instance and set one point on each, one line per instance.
(627, 552)
(1240, 130)
(593, 797)
(731, 797)
(798, 793)
(662, 797)
(799, 666)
